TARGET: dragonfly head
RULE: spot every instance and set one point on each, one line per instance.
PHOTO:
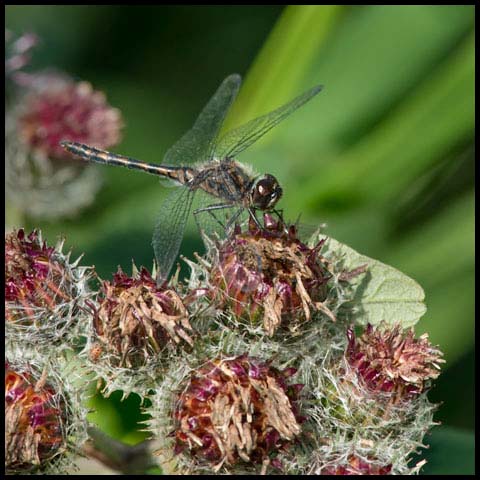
(266, 192)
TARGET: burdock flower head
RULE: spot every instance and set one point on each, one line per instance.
(45, 294)
(393, 361)
(270, 276)
(44, 417)
(136, 320)
(34, 422)
(236, 412)
(45, 420)
(42, 180)
(57, 108)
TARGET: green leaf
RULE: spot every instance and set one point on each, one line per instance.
(383, 293)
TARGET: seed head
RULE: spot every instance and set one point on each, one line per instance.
(237, 410)
(270, 275)
(34, 422)
(136, 319)
(45, 294)
(390, 360)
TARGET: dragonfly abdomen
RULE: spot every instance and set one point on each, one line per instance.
(92, 154)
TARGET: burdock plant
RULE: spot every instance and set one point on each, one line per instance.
(276, 356)
(293, 389)
(305, 362)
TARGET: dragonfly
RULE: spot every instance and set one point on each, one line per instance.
(204, 161)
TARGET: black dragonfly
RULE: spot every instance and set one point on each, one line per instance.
(202, 162)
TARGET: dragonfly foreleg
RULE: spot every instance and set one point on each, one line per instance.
(279, 214)
(251, 211)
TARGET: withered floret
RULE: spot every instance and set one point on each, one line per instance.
(392, 360)
(270, 276)
(136, 319)
(237, 410)
(34, 422)
(38, 278)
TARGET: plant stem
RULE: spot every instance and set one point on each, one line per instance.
(127, 459)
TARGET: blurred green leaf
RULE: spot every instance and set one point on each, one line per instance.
(387, 160)
(440, 247)
(451, 452)
(440, 255)
(372, 58)
(286, 55)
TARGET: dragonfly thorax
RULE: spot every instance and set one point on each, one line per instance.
(266, 192)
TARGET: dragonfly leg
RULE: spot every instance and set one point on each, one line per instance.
(233, 219)
(210, 209)
(279, 214)
(251, 211)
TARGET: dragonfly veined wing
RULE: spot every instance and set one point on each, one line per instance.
(169, 229)
(195, 146)
(237, 140)
(199, 142)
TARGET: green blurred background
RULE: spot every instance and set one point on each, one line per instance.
(384, 155)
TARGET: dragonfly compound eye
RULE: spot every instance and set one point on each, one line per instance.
(266, 192)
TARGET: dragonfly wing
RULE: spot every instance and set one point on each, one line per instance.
(169, 228)
(198, 143)
(238, 139)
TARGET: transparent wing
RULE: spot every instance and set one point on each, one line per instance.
(213, 216)
(169, 228)
(237, 140)
(198, 143)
